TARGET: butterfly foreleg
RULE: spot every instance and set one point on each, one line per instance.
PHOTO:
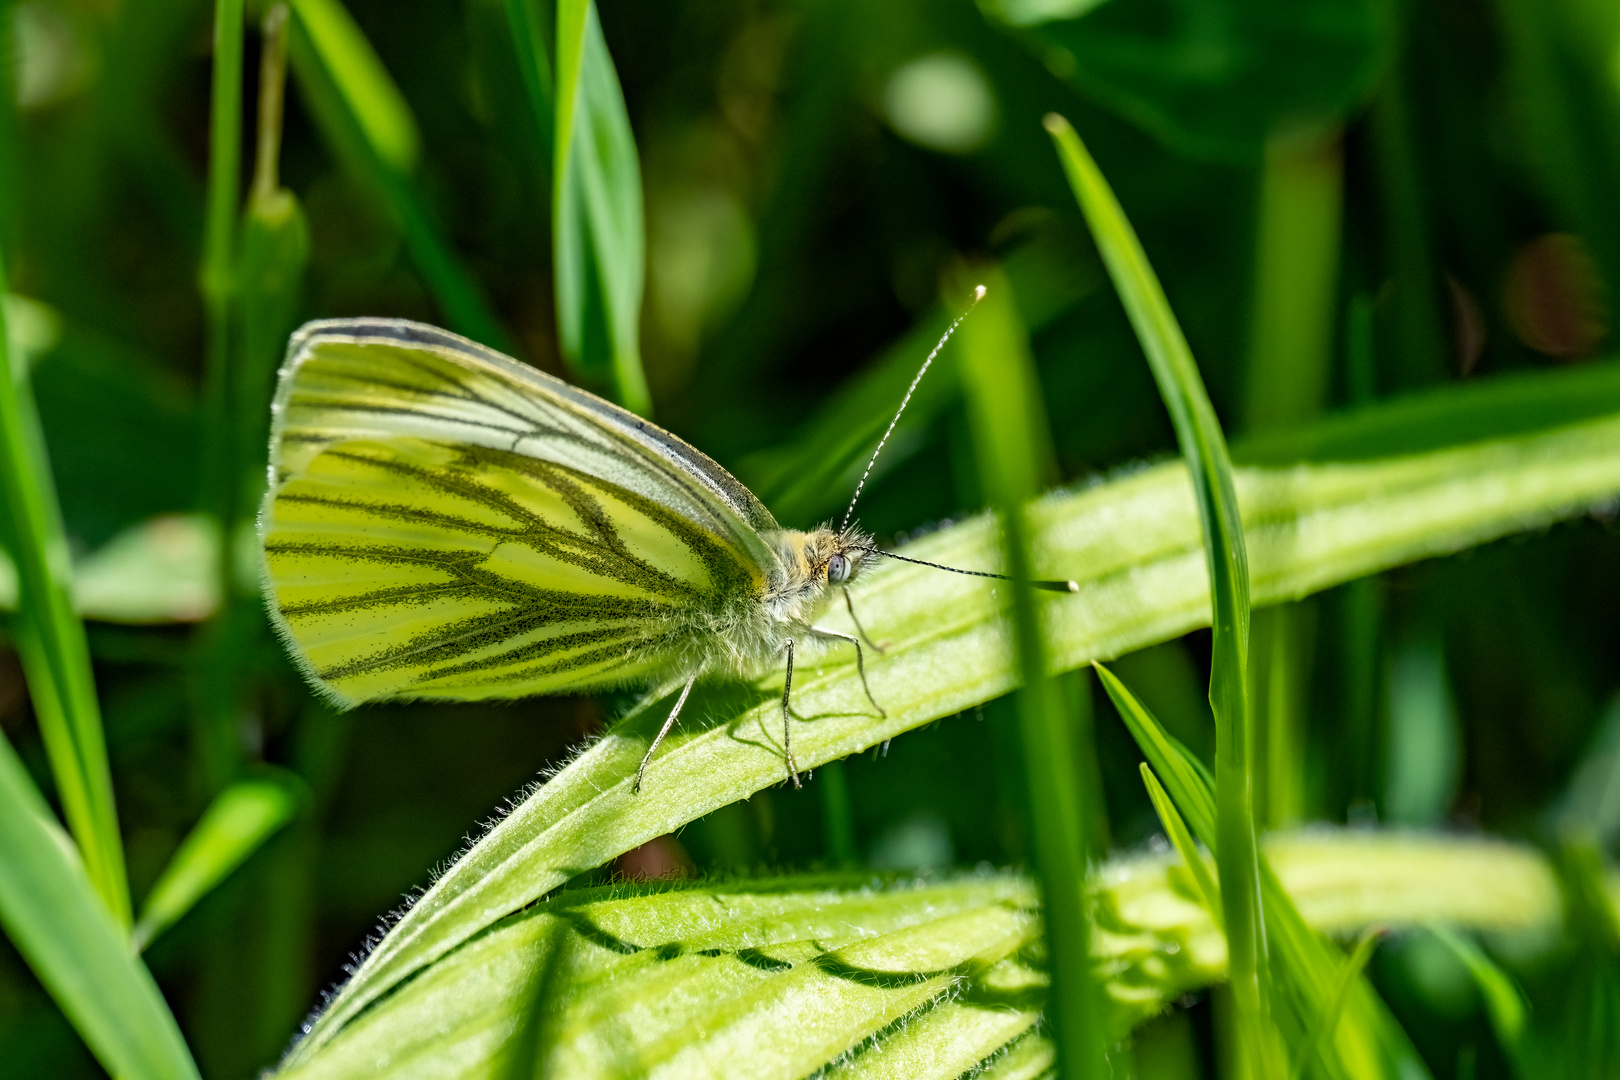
(674, 714)
(787, 691)
(860, 661)
(859, 629)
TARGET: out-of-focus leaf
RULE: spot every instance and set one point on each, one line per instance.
(779, 977)
(62, 928)
(33, 327)
(358, 108)
(375, 101)
(811, 474)
(1133, 546)
(1503, 1003)
(239, 820)
(1212, 78)
(598, 232)
(1012, 443)
(161, 571)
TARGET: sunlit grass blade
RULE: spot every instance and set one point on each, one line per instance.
(1134, 547)
(598, 240)
(55, 918)
(1504, 1005)
(1012, 443)
(1321, 1030)
(1203, 447)
(694, 980)
(1369, 1042)
(364, 116)
(1182, 841)
(235, 825)
(50, 638)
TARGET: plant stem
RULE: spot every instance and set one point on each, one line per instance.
(1010, 435)
(50, 637)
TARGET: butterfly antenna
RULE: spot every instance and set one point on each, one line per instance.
(978, 294)
(1049, 586)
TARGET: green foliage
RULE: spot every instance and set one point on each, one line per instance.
(1385, 234)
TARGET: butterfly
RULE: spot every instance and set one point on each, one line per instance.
(443, 522)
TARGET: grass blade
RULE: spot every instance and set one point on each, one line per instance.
(50, 638)
(1134, 547)
(1182, 840)
(1203, 447)
(54, 917)
(365, 118)
(598, 235)
(1012, 443)
(528, 41)
(1503, 1003)
(1322, 1028)
(235, 825)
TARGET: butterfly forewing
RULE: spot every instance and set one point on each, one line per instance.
(446, 523)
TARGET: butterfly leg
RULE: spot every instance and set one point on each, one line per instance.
(860, 662)
(674, 714)
(787, 690)
(859, 629)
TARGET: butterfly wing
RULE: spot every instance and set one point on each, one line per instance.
(444, 522)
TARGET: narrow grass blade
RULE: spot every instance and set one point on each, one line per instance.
(235, 825)
(1322, 1028)
(1182, 840)
(1503, 1003)
(598, 235)
(1011, 440)
(716, 979)
(1369, 1043)
(528, 42)
(1134, 547)
(363, 115)
(53, 915)
(1203, 447)
(217, 702)
(361, 81)
(50, 638)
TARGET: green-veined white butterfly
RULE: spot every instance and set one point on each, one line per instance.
(444, 522)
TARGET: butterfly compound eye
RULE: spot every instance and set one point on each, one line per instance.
(837, 570)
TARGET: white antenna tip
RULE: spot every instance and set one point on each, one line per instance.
(978, 293)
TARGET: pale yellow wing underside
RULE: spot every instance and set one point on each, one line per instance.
(446, 523)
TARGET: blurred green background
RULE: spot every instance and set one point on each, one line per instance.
(1346, 200)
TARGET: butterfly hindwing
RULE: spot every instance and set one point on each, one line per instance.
(446, 523)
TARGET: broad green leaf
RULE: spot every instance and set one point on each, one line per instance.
(1211, 78)
(50, 638)
(598, 233)
(1203, 447)
(1013, 446)
(59, 924)
(780, 977)
(364, 116)
(1132, 544)
(239, 820)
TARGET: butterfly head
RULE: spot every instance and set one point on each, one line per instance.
(833, 556)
